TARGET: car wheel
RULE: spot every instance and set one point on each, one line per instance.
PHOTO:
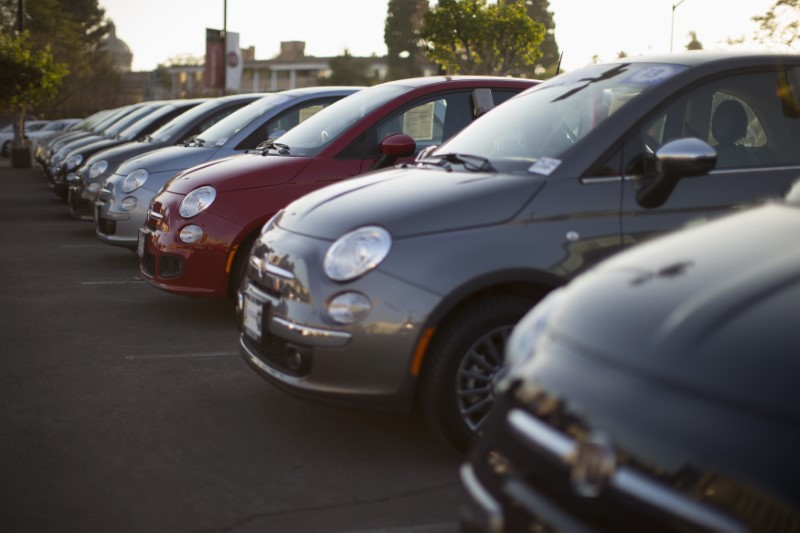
(460, 370)
(239, 267)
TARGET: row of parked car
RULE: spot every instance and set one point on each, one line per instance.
(445, 245)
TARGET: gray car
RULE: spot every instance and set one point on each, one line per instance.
(399, 288)
(122, 206)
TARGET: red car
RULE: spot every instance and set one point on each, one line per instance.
(200, 227)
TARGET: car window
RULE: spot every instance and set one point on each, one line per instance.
(742, 117)
(284, 122)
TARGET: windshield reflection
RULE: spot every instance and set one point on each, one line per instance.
(546, 121)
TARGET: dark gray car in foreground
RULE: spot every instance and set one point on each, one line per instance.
(399, 289)
(657, 392)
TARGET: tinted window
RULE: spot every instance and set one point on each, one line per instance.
(742, 117)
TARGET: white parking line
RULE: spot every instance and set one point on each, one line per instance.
(180, 355)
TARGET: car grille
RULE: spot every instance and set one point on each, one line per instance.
(276, 352)
(107, 227)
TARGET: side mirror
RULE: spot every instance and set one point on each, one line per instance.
(678, 159)
(393, 147)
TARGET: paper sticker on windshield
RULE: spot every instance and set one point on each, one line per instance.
(653, 74)
(545, 165)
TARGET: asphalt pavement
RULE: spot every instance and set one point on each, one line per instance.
(127, 409)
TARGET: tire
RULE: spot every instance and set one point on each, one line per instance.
(465, 355)
(239, 267)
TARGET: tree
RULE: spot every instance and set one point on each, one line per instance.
(539, 11)
(474, 37)
(780, 24)
(74, 30)
(347, 70)
(402, 36)
(693, 43)
(29, 77)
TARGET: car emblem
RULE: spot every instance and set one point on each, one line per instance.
(595, 463)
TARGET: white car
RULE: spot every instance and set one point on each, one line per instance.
(7, 133)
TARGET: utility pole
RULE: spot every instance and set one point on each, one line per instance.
(672, 28)
(225, 47)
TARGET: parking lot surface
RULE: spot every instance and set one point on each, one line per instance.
(124, 408)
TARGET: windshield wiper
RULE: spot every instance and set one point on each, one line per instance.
(470, 162)
(270, 144)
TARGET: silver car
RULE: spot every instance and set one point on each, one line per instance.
(122, 207)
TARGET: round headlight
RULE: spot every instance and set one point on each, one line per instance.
(356, 253)
(70, 177)
(134, 180)
(73, 161)
(129, 203)
(197, 201)
(93, 187)
(349, 307)
(191, 233)
(97, 168)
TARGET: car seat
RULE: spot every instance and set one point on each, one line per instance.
(728, 126)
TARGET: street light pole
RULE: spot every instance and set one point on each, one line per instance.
(672, 27)
(225, 47)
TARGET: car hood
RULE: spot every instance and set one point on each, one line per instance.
(240, 171)
(167, 159)
(123, 152)
(695, 308)
(411, 201)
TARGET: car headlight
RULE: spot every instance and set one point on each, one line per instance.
(97, 168)
(527, 333)
(93, 187)
(197, 201)
(73, 161)
(355, 253)
(134, 180)
(129, 203)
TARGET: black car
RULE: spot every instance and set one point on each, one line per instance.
(85, 188)
(140, 124)
(657, 392)
(398, 289)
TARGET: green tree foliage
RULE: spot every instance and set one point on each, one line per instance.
(780, 24)
(475, 37)
(73, 29)
(401, 33)
(693, 43)
(29, 77)
(545, 66)
(349, 70)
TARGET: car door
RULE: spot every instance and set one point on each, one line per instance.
(758, 150)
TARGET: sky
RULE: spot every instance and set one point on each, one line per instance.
(158, 30)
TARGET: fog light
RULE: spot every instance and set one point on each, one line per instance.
(93, 187)
(129, 203)
(191, 233)
(70, 177)
(349, 307)
(294, 360)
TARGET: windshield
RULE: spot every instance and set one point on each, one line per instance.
(171, 131)
(310, 136)
(531, 131)
(219, 134)
(129, 119)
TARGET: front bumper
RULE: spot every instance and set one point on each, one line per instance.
(303, 351)
(197, 269)
(117, 226)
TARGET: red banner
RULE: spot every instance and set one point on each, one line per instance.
(215, 50)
